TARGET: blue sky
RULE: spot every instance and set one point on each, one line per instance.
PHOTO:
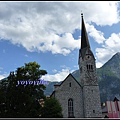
(49, 33)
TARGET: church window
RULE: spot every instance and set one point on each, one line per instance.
(89, 67)
(69, 84)
(70, 108)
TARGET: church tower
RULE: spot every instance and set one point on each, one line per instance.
(88, 78)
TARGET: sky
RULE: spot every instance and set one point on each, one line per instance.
(49, 33)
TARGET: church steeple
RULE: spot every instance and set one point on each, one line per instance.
(88, 77)
(85, 46)
(84, 37)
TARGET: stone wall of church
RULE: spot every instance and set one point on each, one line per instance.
(92, 103)
(91, 94)
(70, 89)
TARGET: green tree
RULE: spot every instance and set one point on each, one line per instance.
(22, 100)
(3, 86)
(52, 109)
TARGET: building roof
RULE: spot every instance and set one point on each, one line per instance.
(52, 93)
(84, 40)
(66, 78)
(84, 37)
(116, 99)
(104, 108)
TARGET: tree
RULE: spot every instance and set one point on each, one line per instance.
(3, 86)
(22, 100)
(52, 109)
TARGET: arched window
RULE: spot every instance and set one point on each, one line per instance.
(70, 108)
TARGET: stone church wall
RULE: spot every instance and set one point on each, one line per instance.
(65, 92)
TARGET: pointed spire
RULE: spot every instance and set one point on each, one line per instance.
(84, 37)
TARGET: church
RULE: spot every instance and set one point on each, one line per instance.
(81, 99)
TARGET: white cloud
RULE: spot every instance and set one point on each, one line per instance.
(98, 36)
(76, 66)
(65, 67)
(113, 42)
(48, 26)
(104, 12)
(111, 47)
(37, 26)
(62, 45)
(98, 64)
(3, 76)
(60, 76)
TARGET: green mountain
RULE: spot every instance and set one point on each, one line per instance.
(108, 79)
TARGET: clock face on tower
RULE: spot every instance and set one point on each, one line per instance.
(88, 57)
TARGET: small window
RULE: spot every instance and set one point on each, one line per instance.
(93, 111)
(89, 67)
(69, 84)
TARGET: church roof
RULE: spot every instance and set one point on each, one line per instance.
(64, 81)
(84, 37)
(84, 40)
(66, 78)
(52, 93)
(70, 75)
